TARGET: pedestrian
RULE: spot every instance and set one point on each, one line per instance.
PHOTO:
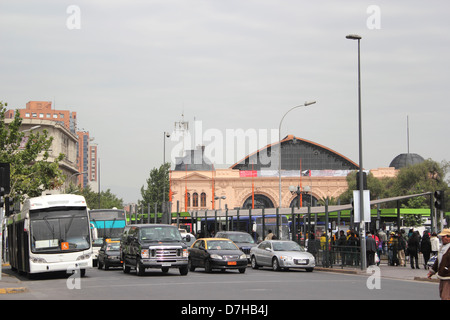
(441, 266)
(380, 246)
(270, 236)
(384, 239)
(425, 248)
(413, 249)
(401, 247)
(312, 247)
(341, 242)
(353, 243)
(393, 249)
(434, 244)
(371, 248)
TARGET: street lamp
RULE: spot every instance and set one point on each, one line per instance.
(361, 185)
(279, 153)
(220, 198)
(166, 135)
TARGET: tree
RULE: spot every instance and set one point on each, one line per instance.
(28, 156)
(107, 199)
(157, 182)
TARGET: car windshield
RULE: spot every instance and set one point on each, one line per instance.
(287, 246)
(221, 245)
(113, 247)
(159, 233)
(240, 237)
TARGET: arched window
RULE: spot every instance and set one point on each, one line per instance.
(203, 200)
(188, 199)
(195, 200)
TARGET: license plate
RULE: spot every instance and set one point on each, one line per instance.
(166, 264)
(231, 263)
(301, 261)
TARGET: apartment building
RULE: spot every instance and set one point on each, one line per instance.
(85, 156)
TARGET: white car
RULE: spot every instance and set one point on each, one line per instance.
(281, 254)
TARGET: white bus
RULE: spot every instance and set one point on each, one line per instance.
(50, 233)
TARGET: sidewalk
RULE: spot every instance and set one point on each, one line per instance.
(9, 282)
(392, 272)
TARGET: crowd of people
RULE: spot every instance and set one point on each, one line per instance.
(398, 246)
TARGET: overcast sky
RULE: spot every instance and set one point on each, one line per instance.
(130, 69)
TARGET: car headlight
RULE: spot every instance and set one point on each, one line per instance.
(286, 258)
(145, 254)
(216, 256)
(243, 256)
(185, 253)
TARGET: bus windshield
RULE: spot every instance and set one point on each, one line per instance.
(59, 230)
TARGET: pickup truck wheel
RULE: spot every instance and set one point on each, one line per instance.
(184, 270)
(140, 270)
(125, 268)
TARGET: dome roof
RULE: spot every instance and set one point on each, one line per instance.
(406, 159)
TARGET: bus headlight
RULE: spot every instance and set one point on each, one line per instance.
(38, 260)
(84, 257)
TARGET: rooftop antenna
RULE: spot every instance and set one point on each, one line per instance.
(407, 132)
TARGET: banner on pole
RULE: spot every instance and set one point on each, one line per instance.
(366, 209)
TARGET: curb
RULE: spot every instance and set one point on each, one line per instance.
(13, 290)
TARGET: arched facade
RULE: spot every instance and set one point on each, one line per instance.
(323, 174)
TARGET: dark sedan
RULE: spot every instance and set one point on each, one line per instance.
(109, 255)
(216, 253)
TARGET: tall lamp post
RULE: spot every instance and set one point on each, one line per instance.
(279, 153)
(163, 205)
(361, 185)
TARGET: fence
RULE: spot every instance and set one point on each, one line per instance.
(333, 256)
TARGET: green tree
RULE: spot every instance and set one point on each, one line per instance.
(157, 182)
(28, 155)
(106, 199)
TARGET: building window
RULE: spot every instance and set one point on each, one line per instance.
(195, 200)
(203, 200)
(188, 200)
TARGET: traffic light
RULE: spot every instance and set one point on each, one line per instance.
(9, 206)
(2, 198)
(439, 199)
(5, 177)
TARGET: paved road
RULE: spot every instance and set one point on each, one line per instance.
(263, 284)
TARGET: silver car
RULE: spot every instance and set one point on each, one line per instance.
(280, 254)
